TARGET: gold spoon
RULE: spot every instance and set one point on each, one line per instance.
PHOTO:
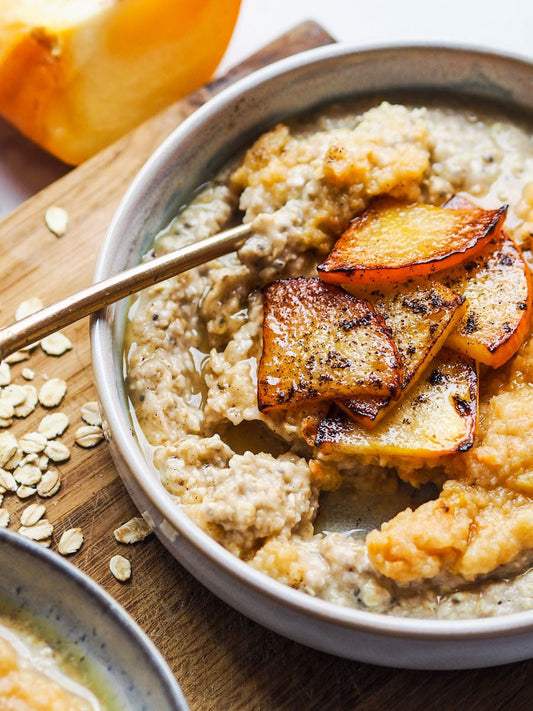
(42, 323)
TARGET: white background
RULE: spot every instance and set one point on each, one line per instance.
(506, 26)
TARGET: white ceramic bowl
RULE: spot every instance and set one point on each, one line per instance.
(193, 153)
(72, 613)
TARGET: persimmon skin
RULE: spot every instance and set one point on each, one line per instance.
(392, 241)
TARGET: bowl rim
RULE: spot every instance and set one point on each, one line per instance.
(375, 623)
(107, 604)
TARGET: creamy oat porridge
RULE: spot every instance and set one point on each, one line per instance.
(260, 482)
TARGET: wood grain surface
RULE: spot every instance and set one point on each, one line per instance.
(221, 659)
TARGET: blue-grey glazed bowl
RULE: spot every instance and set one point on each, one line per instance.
(193, 153)
(72, 613)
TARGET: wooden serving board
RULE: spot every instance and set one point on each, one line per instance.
(222, 660)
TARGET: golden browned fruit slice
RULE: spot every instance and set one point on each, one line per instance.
(421, 315)
(319, 342)
(468, 531)
(497, 286)
(395, 241)
(437, 417)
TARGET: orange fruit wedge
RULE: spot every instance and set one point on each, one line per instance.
(437, 417)
(497, 286)
(394, 241)
(320, 343)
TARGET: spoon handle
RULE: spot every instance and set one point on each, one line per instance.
(42, 323)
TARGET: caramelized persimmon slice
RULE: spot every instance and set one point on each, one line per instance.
(437, 417)
(421, 315)
(497, 285)
(319, 343)
(394, 241)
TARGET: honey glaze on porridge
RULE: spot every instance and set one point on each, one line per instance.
(395, 533)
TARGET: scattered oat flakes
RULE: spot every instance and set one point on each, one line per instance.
(28, 373)
(56, 219)
(7, 481)
(6, 413)
(24, 491)
(70, 541)
(39, 532)
(88, 436)
(30, 401)
(14, 461)
(134, 530)
(8, 447)
(52, 392)
(4, 518)
(15, 394)
(27, 474)
(120, 567)
(56, 344)
(52, 426)
(7, 409)
(90, 413)
(57, 451)
(16, 357)
(1, 498)
(32, 514)
(5, 373)
(28, 307)
(33, 442)
(49, 484)
(31, 458)
(42, 462)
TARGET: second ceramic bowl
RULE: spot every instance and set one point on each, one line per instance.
(66, 610)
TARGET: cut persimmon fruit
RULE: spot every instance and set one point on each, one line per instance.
(320, 343)
(393, 241)
(437, 417)
(76, 75)
(497, 286)
(421, 315)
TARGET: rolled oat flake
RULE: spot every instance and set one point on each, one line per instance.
(52, 392)
(88, 436)
(32, 514)
(133, 531)
(53, 425)
(56, 219)
(56, 344)
(49, 484)
(40, 532)
(70, 541)
(120, 567)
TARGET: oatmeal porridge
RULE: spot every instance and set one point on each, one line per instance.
(457, 537)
